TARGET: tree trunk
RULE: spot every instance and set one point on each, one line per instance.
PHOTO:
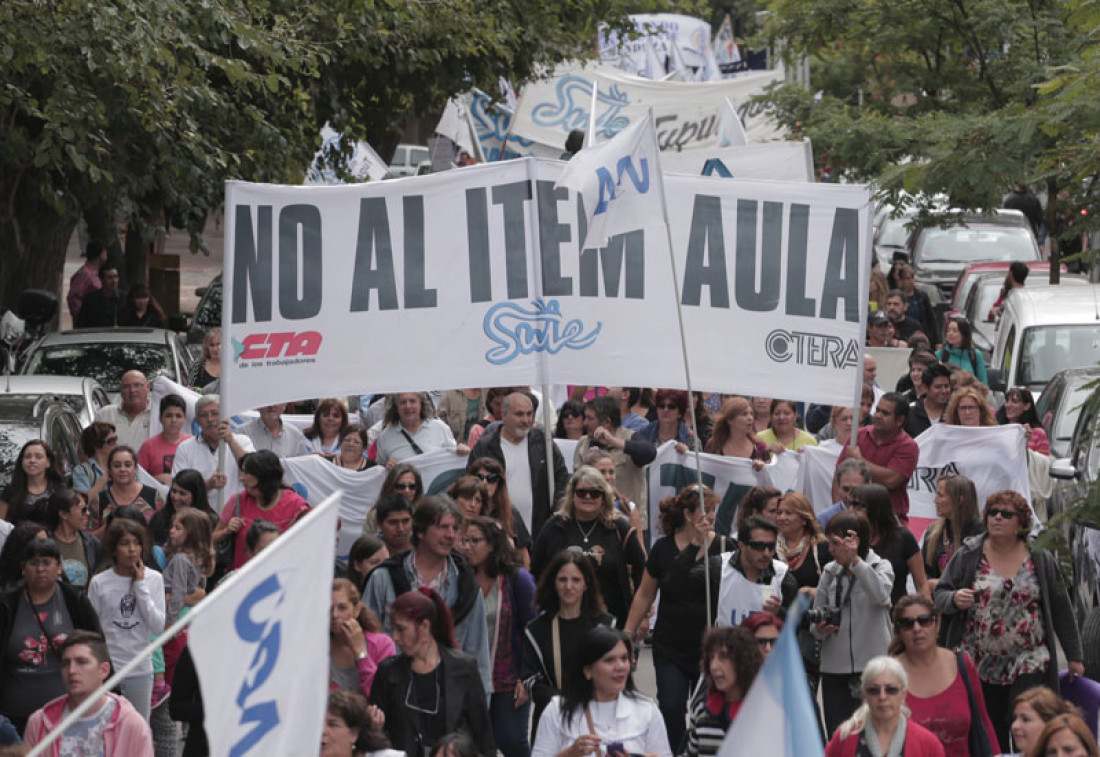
(33, 244)
(1053, 229)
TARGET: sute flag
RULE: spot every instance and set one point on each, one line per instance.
(261, 645)
(620, 180)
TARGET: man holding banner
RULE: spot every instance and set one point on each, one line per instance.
(889, 452)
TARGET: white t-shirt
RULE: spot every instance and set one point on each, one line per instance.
(129, 612)
(85, 736)
(517, 471)
(196, 453)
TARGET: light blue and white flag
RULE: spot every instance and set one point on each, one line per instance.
(620, 180)
(777, 717)
(260, 645)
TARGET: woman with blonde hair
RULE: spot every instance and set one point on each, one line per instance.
(957, 518)
(588, 522)
(208, 369)
(969, 407)
(734, 435)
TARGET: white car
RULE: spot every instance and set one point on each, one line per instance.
(84, 395)
(407, 159)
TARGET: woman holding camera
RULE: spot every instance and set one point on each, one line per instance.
(600, 712)
(855, 587)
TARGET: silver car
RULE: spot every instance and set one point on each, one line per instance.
(84, 395)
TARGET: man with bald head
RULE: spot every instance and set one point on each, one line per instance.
(520, 446)
(131, 415)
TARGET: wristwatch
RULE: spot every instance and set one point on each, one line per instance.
(362, 655)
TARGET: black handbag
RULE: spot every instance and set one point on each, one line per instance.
(223, 554)
(978, 739)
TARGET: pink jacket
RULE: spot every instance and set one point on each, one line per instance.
(919, 742)
(379, 647)
(127, 735)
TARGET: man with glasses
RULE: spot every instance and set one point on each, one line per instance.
(131, 415)
(889, 452)
(603, 428)
(520, 446)
(201, 452)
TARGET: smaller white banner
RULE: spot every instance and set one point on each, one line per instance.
(260, 645)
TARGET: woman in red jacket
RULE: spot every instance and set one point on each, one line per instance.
(881, 725)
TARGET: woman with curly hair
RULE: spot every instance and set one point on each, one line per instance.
(969, 407)
(677, 637)
(731, 659)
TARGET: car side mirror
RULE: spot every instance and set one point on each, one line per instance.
(1063, 470)
(996, 379)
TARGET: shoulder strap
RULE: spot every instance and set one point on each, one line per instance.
(414, 445)
(555, 644)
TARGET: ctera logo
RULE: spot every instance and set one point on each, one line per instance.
(609, 185)
(283, 344)
(818, 350)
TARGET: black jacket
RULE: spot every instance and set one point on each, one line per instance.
(464, 704)
(917, 422)
(99, 310)
(76, 601)
(541, 507)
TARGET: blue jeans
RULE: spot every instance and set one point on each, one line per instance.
(509, 724)
(674, 687)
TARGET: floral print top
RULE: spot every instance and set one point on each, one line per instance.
(1004, 634)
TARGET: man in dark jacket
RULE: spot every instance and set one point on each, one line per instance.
(929, 409)
(100, 308)
(514, 441)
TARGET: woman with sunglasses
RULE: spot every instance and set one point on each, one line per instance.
(570, 421)
(67, 518)
(498, 505)
(945, 695)
(677, 636)
(881, 725)
(1007, 607)
(509, 594)
(600, 459)
(731, 658)
(587, 522)
(404, 479)
(765, 628)
(669, 426)
(958, 348)
(1019, 408)
(89, 478)
(890, 540)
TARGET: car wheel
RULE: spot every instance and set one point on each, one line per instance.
(1090, 642)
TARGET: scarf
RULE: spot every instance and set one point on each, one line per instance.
(868, 741)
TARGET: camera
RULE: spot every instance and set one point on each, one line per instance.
(827, 615)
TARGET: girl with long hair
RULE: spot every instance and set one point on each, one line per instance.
(1019, 407)
(34, 478)
(957, 518)
(125, 488)
(190, 561)
(357, 643)
(498, 504)
(891, 541)
(958, 348)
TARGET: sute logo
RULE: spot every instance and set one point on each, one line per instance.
(278, 344)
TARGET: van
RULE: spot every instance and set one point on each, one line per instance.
(1043, 330)
(406, 160)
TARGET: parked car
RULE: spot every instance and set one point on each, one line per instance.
(85, 396)
(106, 354)
(984, 291)
(24, 417)
(1060, 405)
(1074, 475)
(406, 160)
(1043, 330)
(208, 314)
(966, 279)
(939, 255)
(890, 236)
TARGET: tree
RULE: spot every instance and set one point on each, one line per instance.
(932, 97)
(110, 113)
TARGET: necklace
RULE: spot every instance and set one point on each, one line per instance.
(414, 705)
(590, 529)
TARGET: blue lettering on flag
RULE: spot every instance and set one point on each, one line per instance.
(266, 634)
(607, 185)
(542, 328)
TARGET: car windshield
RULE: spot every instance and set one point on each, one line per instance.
(209, 313)
(967, 244)
(1048, 349)
(105, 362)
(13, 435)
(983, 299)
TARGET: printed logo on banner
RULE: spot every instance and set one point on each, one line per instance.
(819, 350)
(265, 634)
(609, 185)
(280, 348)
(926, 478)
(570, 112)
(516, 330)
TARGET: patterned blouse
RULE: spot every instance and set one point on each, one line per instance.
(1004, 634)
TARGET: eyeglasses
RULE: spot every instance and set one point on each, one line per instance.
(588, 493)
(767, 641)
(924, 621)
(110, 440)
(404, 487)
(668, 406)
(761, 546)
(968, 408)
(471, 541)
(489, 478)
(877, 691)
(992, 512)
(570, 414)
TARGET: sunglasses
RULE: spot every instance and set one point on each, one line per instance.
(110, 440)
(570, 414)
(761, 546)
(924, 621)
(767, 641)
(588, 493)
(993, 512)
(668, 406)
(404, 487)
(489, 478)
(876, 691)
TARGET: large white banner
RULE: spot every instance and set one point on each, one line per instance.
(686, 113)
(315, 478)
(692, 35)
(260, 645)
(772, 161)
(729, 477)
(473, 278)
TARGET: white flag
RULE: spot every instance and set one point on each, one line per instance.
(260, 645)
(620, 180)
(731, 132)
(654, 68)
(455, 125)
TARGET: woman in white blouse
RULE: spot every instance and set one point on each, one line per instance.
(600, 713)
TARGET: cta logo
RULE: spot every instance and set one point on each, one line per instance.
(818, 350)
(279, 348)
